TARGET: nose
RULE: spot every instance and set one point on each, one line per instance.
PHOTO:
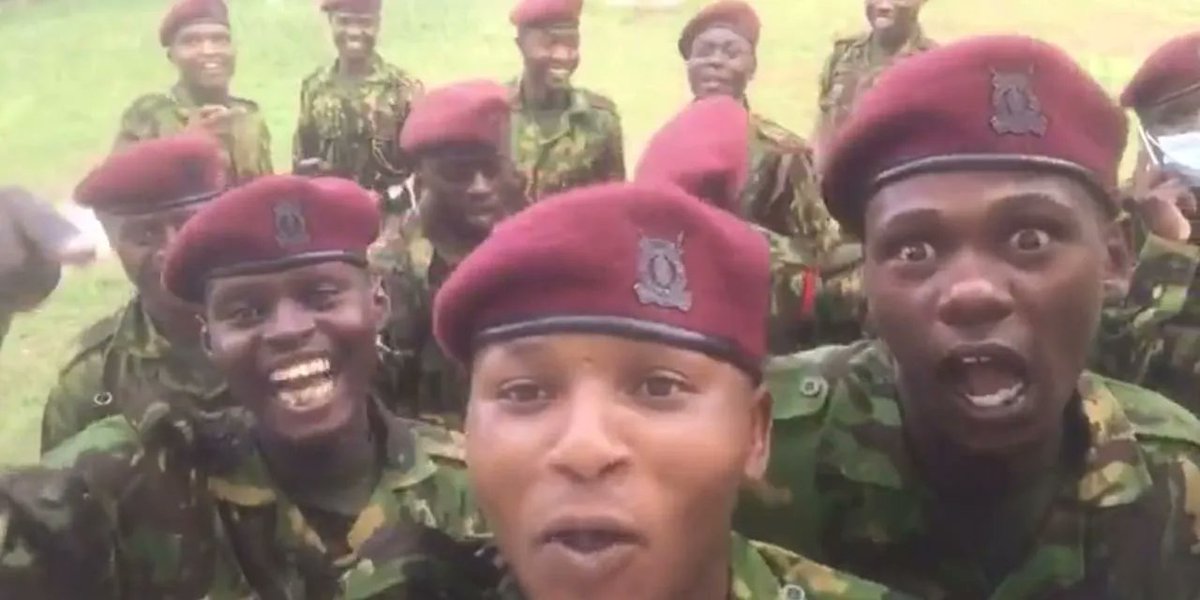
(289, 326)
(973, 299)
(588, 448)
(481, 185)
(169, 234)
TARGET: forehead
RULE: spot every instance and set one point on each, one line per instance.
(342, 15)
(720, 34)
(978, 191)
(552, 33)
(236, 286)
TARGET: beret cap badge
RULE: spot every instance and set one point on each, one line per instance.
(1016, 110)
(662, 280)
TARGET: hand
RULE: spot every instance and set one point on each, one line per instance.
(215, 119)
(1164, 202)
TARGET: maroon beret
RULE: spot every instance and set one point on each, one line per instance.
(186, 12)
(1171, 71)
(155, 175)
(274, 223)
(460, 113)
(634, 260)
(704, 150)
(986, 102)
(532, 13)
(736, 15)
(353, 6)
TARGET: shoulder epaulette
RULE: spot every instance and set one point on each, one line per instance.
(779, 135)
(250, 104)
(151, 103)
(1153, 415)
(94, 339)
(599, 101)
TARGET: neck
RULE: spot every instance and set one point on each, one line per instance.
(336, 461)
(537, 94)
(178, 324)
(207, 95)
(713, 581)
(891, 41)
(355, 67)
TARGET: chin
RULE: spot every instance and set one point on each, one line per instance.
(312, 429)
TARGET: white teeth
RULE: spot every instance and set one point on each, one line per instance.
(976, 360)
(1004, 397)
(308, 398)
(301, 370)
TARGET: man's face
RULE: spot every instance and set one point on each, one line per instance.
(720, 63)
(987, 288)
(1178, 115)
(141, 241)
(205, 55)
(297, 346)
(473, 187)
(893, 16)
(609, 468)
(551, 54)
(354, 34)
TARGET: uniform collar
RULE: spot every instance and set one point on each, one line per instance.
(377, 73)
(576, 104)
(916, 42)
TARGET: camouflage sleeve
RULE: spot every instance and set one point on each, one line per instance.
(825, 84)
(447, 494)
(1130, 326)
(264, 166)
(304, 142)
(77, 399)
(612, 164)
(138, 123)
(797, 574)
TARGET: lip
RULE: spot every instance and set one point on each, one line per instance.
(1004, 403)
(588, 547)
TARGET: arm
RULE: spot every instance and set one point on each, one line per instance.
(305, 144)
(613, 161)
(76, 400)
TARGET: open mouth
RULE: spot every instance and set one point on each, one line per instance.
(213, 67)
(989, 377)
(304, 385)
(589, 535)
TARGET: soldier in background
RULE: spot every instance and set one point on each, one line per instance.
(1162, 350)
(967, 453)
(351, 111)
(719, 45)
(857, 61)
(457, 136)
(142, 196)
(562, 136)
(199, 43)
(35, 242)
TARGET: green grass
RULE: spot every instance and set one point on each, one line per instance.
(69, 68)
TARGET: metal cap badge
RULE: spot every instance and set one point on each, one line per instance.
(291, 229)
(1016, 109)
(662, 280)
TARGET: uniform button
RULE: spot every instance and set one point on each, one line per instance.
(792, 591)
(102, 399)
(812, 386)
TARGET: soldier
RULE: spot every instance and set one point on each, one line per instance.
(616, 400)
(142, 195)
(857, 61)
(468, 182)
(1163, 351)
(720, 46)
(703, 151)
(351, 111)
(35, 241)
(198, 40)
(562, 136)
(967, 453)
(301, 487)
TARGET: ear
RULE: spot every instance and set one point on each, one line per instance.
(760, 423)
(1118, 242)
(381, 303)
(205, 337)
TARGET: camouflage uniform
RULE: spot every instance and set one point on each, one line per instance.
(417, 378)
(1116, 521)
(852, 69)
(247, 147)
(119, 351)
(1151, 336)
(583, 147)
(155, 503)
(351, 126)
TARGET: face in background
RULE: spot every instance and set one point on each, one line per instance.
(895, 19)
(609, 468)
(1178, 115)
(720, 63)
(470, 187)
(140, 241)
(205, 56)
(987, 288)
(550, 54)
(297, 347)
(354, 34)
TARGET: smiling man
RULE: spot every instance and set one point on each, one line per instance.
(857, 61)
(458, 136)
(199, 43)
(720, 46)
(351, 111)
(142, 196)
(562, 136)
(616, 402)
(967, 454)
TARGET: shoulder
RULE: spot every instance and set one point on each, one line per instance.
(804, 383)
(150, 104)
(845, 44)
(443, 445)
(92, 342)
(777, 136)
(598, 102)
(402, 78)
(1154, 417)
(799, 577)
(247, 105)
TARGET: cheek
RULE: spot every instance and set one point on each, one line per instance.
(502, 461)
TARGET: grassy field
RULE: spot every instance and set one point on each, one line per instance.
(69, 67)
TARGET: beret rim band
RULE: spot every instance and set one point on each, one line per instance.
(713, 346)
(160, 207)
(1175, 95)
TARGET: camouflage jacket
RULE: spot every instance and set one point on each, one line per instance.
(584, 145)
(416, 379)
(1151, 336)
(115, 354)
(761, 571)
(1116, 523)
(782, 193)
(247, 146)
(852, 68)
(351, 126)
(155, 504)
